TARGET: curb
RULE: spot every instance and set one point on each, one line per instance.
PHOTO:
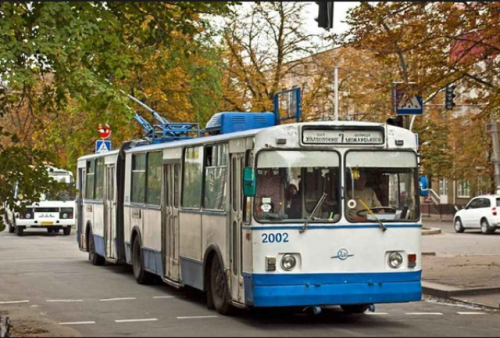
(431, 231)
(453, 293)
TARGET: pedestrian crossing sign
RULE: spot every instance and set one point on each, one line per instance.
(102, 146)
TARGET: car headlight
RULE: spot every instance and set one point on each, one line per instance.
(288, 262)
(395, 260)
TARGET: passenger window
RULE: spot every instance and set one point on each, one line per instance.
(139, 178)
(473, 204)
(192, 189)
(215, 177)
(486, 203)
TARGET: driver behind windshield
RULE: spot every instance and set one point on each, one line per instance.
(363, 196)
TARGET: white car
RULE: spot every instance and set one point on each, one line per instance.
(482, 212)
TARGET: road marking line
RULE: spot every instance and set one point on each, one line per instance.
(163, 297)
(136, 320)
(424, 313)
(117, 299)
(65, 301)
(78, 323)
(15, 302)
(197, 317)
(377, 313)
(471, 313)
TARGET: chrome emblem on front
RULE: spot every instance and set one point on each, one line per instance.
(343, 254)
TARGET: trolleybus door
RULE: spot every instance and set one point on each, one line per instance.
(109, 210)
(170, 226)
(79, 206)
(237, 166)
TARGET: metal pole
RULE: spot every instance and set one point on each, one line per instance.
(496, 152)
(336, 93)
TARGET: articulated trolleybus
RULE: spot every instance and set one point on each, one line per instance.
(262, 214)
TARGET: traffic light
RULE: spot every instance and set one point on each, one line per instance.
(325, 14)
(450, 97)
(396, 121)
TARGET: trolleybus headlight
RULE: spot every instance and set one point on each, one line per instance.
(28, 215)
(288, 262)
(65, 216)
(395, 260)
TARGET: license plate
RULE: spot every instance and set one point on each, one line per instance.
(47, 223)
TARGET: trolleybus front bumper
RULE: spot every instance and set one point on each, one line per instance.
(276, 290)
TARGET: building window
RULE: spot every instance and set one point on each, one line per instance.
(138, 178)
(443, 187)
(463, 189)
(215, 177)
(482, 186)
(155, 161)
(192, 191)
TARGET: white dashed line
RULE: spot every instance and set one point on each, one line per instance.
(78, 323)
(136, 320)
(377, 313)
(471, 313)
(15, 302)
(163, 297)
(64, 301)
(198, 317)
(117, 299)
(424, 314)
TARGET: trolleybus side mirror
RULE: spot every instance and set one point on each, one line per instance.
(424, 186)
(249, 182)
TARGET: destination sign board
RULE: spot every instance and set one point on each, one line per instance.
(343, 137)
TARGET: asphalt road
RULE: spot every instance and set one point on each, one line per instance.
(49, 288)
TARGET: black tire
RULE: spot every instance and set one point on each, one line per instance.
(19, 231)
(67, 231)
(459, 228)
(141, 275)
(485, 227)
(219, 289)
(11, 227)
(94, 258)
(357, 308)
(56, 230)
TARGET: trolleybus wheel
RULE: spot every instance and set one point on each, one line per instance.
(94, 258)
(358, 308)
(11, 227)
(67, 231)
(219, 289)
(141, 275)
(19, 231)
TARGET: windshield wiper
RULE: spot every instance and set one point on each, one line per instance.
(316, 208)
(384, 229)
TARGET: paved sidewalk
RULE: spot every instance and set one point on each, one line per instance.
(462, 267)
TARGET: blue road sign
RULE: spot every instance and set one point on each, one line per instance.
(102, 146)
(405, 105)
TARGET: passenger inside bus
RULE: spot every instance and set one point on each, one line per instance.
(364, 197)
(302, 190)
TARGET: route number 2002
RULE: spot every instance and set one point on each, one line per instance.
(275, 238)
